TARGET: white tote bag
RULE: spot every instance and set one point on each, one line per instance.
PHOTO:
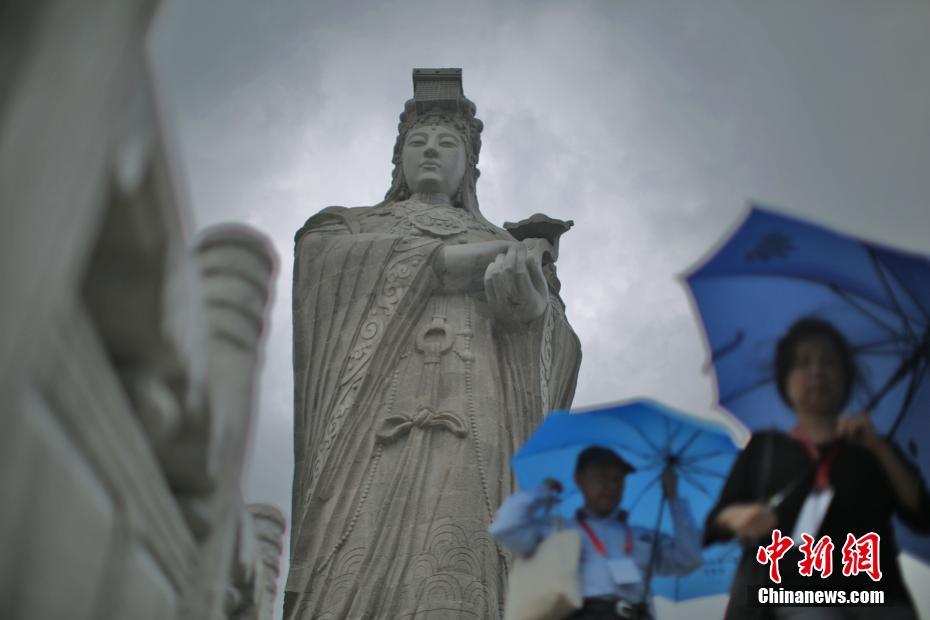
(544, 586)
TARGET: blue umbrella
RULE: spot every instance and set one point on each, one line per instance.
(775, 269)
(650, 436)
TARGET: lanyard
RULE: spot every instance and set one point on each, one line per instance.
(824, 464)
(598, 545)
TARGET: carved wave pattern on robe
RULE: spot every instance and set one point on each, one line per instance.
(445, 578)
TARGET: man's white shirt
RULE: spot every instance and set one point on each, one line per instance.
(521, 524)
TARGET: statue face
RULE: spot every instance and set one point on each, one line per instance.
(433, 159)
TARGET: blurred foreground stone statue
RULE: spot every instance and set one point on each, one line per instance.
(428, 343)
(127, 371)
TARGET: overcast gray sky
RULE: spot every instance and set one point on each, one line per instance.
(650, 124)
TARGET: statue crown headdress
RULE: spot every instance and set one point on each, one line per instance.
(438, 98)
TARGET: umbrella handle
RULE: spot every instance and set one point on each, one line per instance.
(653, 552)
(775, 501)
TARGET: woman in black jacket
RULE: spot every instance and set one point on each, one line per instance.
(829, 476)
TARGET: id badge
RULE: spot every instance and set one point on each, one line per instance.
(624, 571)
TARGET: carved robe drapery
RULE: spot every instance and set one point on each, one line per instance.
(409, 401)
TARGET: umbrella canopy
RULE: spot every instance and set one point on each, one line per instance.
(649, 436)
(775, 269)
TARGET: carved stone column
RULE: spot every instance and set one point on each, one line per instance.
(236, 266)
(268, 525)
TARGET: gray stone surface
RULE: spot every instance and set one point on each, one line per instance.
(128, 359)
(428, 343)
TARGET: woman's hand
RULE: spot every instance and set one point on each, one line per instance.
(515, 285)
(747, 521)
(858, 429)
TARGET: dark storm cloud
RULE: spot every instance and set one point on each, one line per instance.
(648, 123)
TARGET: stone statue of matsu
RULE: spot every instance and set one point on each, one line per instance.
(428, 343)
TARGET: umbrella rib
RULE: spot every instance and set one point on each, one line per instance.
(897, 339)
(700, 457)
(916, 378)
(724, 350)
(876, 348)
(643, 492)
(671, 434)
(653, 460)
(648, 456)
(645, 437)
(888, 291)
(745, 390)
(687, 444)
(879, 353)
(704, 471)
(906, 289)
(698, 485)
(856, 306)
(910, 364)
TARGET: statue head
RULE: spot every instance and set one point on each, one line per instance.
(451, 115)
(433, 157)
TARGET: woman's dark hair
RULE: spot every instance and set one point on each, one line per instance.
(807, 329)
(598, 455)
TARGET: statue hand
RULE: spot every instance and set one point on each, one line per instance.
(515, 285)
(539, 250)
